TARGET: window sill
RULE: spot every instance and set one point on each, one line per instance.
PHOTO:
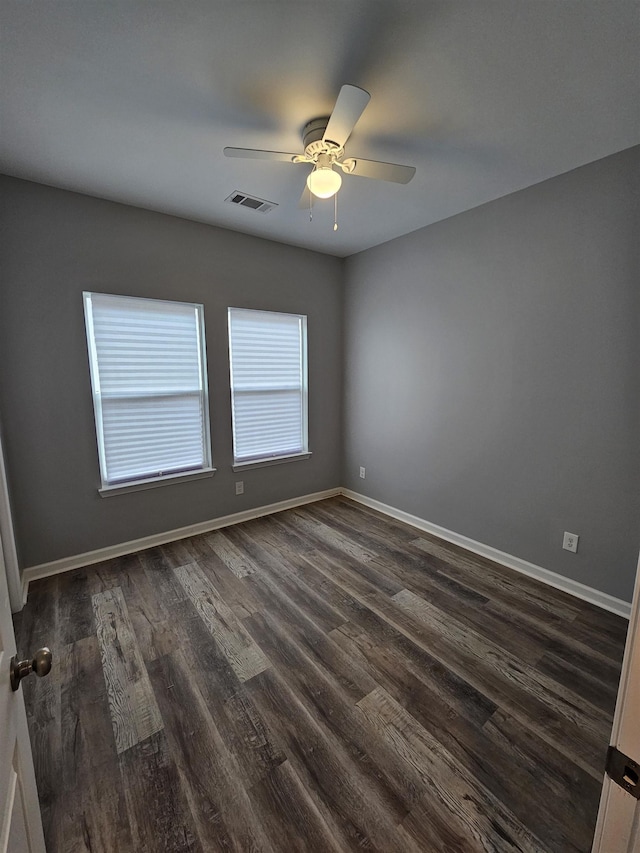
(263, 463)
(141, 485)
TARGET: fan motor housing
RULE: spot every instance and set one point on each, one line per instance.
(312, 134)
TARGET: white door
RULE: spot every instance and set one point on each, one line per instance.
(20, 822)
(618, 826)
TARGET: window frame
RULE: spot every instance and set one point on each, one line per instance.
(273, 459)
(115, 487)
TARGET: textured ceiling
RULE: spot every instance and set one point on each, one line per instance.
(134, 101)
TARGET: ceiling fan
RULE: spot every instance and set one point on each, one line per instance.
(324, 140)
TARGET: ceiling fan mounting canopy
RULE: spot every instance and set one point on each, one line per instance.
(324, 140)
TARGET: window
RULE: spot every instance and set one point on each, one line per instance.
(268, 360)
(148, 376)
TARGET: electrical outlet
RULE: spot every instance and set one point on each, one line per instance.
(570, 542)
(362, 472)
(240, 487)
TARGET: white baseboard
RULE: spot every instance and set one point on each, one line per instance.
(45, 570)
(580, 590)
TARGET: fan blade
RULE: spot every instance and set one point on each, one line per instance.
(381, 171)
(348, 109)
(257, 154)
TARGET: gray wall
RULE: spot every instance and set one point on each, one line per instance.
(56, 244)
(492, 373)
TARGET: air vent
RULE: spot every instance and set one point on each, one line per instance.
(251, 202)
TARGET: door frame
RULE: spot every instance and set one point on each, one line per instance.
(618, 823)
(12, 568)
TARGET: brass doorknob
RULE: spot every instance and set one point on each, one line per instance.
(41, 665)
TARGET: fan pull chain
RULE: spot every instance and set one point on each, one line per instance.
(335, 212)
(310, 206)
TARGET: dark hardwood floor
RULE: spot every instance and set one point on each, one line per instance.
(324, 679)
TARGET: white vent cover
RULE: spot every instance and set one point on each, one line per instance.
(253, 203)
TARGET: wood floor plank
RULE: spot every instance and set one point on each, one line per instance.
(474, 614)
(273, 569)
(360, 817)
(588, 719)
(328, 536)
(75, 612)
(244, 656)
(599, 621)
(134, 712)
(290, 817)
(106, 575)
(159, 815)
(311, 637)
(347, 552)
(413, 671)
(158, 564)
(353, 581)
(233, 591)
(150, 620)
(239, 563)
(584, 645)
(530, 707)
(352, 680)
(453, 799)
(496, 581)
(412, 570)
(256, 749)
(334, 710)
(209, 776)
(239, 723)
(194, 638)
(491, 761)
(419, 576)
(598, 692)
(360, 513)
(572, 816)
(93, 815)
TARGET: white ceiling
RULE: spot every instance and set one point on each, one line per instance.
(134, 101)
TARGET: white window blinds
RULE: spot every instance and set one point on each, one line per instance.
(148, 374)
(268, 359)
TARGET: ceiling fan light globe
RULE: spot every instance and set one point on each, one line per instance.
(324, 182)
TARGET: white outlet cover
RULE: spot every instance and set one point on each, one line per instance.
(240, 487)
(362, 472)
(570, 542)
